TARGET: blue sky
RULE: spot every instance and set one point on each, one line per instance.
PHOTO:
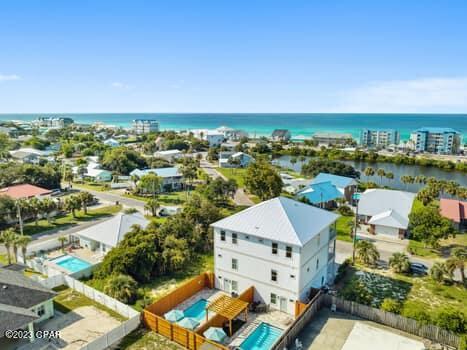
(233, 56)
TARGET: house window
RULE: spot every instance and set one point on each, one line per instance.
(274, 248)
(222, 235)
(234, 286)
(234, 238)
(273, 299)
(317, 264)
(40, 311)
(288, 252)
(234, 264)
(274, 275)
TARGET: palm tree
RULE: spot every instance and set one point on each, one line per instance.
(62, 240)
(369, 171)
(366, 252)
(381, 173)
(122, 287)
(23, 242)
(152, 205)
(35, 208)
(189, 172)
(71, 204)
(68, 175)
(389, 175)
(150, 183)
(85, 198)
(457, 260)
(438, 271)
(420, 179)
(407, 179)
(399, 262)
(7, 238)
(48, 207)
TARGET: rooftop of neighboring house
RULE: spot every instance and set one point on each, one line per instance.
(453, 209)
(161, 172)
(333, 135)
(437, 130)
(389, 204)
(321, 192)
(18, 294)
(280, 132)
(169, 152)
(112, 231)
(24, 191)
(280, 219)
(336, 180)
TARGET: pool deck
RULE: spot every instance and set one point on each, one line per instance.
(208, 294)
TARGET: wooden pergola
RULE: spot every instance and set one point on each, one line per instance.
(229, 308)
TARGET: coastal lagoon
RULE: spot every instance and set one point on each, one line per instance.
(397, 169)
(263, 124)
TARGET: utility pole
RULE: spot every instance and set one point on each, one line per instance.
(20, 219)
(356, 198)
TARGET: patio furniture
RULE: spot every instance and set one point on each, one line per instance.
(216, 334)
(261, 308)
(188, 323)
(174, 315)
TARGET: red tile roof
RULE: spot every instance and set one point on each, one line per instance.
(453, 209)
(24, 191)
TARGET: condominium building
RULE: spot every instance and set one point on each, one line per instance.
(53, 122)
(145, 126)
(437, 140)
(379, 138)
(332, 138)
(281, 247)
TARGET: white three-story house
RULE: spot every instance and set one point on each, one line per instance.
(281, 247)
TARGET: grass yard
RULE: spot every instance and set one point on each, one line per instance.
(164, 284)
(445, 247)
(236, 174)
(144, 339)
(169, 198)
(92, 186)
(31, 228)
(417, 294)
(343, 228)
(69, 299)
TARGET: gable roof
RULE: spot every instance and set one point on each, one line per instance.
(378, 201)
(280, 219)
(24, 191)
(390, 218)
(112, 231)
(20, 291)
(336, 180)
(12, 317)
(453, 209)
(161, 172)
(321, 192)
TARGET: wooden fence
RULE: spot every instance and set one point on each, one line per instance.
(185, 291)
(389, 319)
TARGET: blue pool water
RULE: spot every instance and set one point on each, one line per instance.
(197, 310)
(262, 338)
(71, 263)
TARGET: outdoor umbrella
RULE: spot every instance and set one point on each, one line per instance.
(215, 333)
(174, 315)
(188, 323)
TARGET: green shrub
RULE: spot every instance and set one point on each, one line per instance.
(356, 291)
(345, 210)
(463, 343)
(452, 320)
(391, 305)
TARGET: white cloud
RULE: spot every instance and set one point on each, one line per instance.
(120, 85)
(415, 96)
(9, 77)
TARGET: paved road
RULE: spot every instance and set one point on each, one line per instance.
(240, 197)
(114, 197)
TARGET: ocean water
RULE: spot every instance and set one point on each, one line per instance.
(263, 124)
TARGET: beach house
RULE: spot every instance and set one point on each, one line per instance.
(23, 302)
(281, 135)
(234, 159)
(281, 247)
(172, 178)
(456, 211)
(386, 211)
(322, 194)
(346, 185)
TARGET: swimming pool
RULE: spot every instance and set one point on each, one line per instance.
(71, 263)
(262, 338)
(197, 310)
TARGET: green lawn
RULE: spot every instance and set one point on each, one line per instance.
(236, 174)
(93, 186)
(417, 294)
(31, 228)
(69, 299)
(169, 198)
(419, 249)
(144, 339)
(343, 228)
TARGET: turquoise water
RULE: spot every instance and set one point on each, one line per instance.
(263, 338)
(263, 124)
(71, 263)
(197, 310)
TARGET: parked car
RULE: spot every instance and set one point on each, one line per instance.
(418, 268)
